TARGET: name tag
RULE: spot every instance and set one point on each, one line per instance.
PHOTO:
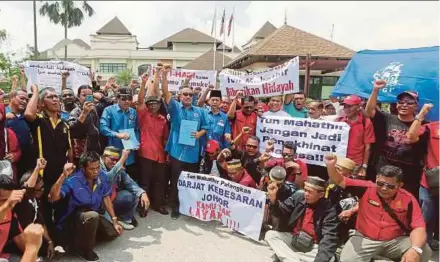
(221, 123)
(374, 203)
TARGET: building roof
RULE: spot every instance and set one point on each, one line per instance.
(206, 61)
(291, 41)
(228, 48)
(80, 42)
(114, 27)
(267, 29)
(187, 35)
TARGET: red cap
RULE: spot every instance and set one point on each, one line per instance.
(352, 100)
(212, 146)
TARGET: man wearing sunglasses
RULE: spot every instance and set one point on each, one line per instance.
(393, 147)
(389, 223)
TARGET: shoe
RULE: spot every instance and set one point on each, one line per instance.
(134, 222)
(175, 213)
(162, 210)
(125, 225)
(143, 212)
(434, 245)
(88, 256)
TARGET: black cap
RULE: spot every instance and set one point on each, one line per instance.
(410, 93)
(152, 99)
(215, 93)
(124, 91)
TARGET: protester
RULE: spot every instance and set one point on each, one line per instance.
(126, 194)
(329, 109)
(67, 96)
(153, 137)
(86, 189)
(32, 237)
(276, 107)
(218, 122)
(121, 117)
(246, 117)
(9, 144)
(183, 157)
(238, 174)
(225, 104)
(310, 224)
(295, 105)
(387, 213)
(395, 150)
(209, 164)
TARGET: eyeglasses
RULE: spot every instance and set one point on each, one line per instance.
(187, 94)
(53, 97)
(382, 184)
(125, 98)
(402, 102)
(252, 146)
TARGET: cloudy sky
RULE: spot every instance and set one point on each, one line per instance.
(357, 25)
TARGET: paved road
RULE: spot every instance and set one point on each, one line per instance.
(159, 238)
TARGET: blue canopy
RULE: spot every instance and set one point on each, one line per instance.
(404, 69)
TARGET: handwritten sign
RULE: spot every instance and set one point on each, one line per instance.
(199, 78)
(210, 198)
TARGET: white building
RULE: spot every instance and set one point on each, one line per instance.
(113, 48)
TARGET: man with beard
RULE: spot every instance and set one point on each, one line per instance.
(395, 149)
(275, 107)
(15, 120)
(183, 157)
(52, 139)
(295, 105)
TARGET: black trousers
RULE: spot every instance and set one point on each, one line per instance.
(152, 180)
(132, 171)
(177, 167)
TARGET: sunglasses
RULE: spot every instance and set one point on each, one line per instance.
(187, 94)
(410, 103)
(252, 146)
(125, 98)
(382, 184)
(113, 159)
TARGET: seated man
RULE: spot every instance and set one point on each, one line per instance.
(310, 224)
(387, 213)
(126, 192)
(238, 174)
(86, 190)
(209, 164)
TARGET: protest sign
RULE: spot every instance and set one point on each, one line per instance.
(199, 78)
(210, 198)
(314, 139)
(403, 69)
(48, 74)
(279, 80)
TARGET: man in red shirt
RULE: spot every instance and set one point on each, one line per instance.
(238, 174)
(361, 134)
(246, 117)
(153, 137)
(310, 231)
(387, 213)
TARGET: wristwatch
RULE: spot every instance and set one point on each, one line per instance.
(418, 249)
(364, 166)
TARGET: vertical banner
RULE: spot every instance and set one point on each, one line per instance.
(279, 80)
(210, 198)
(314, 139)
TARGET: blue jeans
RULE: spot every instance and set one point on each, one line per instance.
(429, 205)
(124, 205)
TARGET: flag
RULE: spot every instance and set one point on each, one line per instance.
(222, 26)
(214, 21)
(230, 23)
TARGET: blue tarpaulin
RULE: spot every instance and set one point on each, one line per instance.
(403, 69)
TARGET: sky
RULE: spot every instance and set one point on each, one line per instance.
(357, 25)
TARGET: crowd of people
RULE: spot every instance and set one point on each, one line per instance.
(66, 180)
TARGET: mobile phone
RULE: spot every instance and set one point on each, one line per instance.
(89, 98)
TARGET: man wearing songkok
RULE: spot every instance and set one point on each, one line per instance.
(238, 174)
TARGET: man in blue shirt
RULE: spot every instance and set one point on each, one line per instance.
(118, 117)
(86, 190)
(218, 121)
(183, 157)
(295, 105)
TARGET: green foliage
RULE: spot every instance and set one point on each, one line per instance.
(66, 12)
(124, 77)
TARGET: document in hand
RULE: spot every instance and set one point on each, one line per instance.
(187, 127)
(132, 142)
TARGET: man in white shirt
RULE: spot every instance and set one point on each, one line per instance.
(275, 107)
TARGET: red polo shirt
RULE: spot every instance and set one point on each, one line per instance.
(247, 180)
(292, 176)
(306, 224)
(432, 158)
(361, 133)
(153, 135)
(241, 120)
(374, 222)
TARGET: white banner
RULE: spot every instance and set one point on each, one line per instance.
(314, 139)
(199, 78)
(48, 74)
(279, 80)
(210, 198)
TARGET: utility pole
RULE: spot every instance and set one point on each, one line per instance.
(331, 34)
(285, 16)
(35, 30)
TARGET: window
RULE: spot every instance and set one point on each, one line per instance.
(112, 67)
(329, 80)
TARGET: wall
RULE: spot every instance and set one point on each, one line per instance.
(190, 47)
(113, 42)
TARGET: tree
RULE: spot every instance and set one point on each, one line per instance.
(66, 13)
(124, 77)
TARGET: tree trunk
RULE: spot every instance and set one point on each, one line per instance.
(65, 47)
(35, 31)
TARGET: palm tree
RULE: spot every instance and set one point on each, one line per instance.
(66, 13)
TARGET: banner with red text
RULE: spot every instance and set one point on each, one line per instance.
(199, 78)
(279, 80)
(208, 198)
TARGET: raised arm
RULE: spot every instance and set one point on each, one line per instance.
(202, 99)
(141, 95)
(55, 191)
(22, 79)
(337, 178)
(165, 92)
(31, 109)
(370, 108)
(41, 164)
(233, 107)
(288, 99)
(64, 77)
(414, 129)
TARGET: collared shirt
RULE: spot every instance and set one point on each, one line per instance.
(241, 120)
(113, 120)
(184, 153)
(432, 158)
(153, 134)
(293, 112)
(77, 189)
(277, 113)
(374, 222)
(305, 224)
(218, 126)
(247, 180)
(85, 135)
(361, 133)
(20, 127)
